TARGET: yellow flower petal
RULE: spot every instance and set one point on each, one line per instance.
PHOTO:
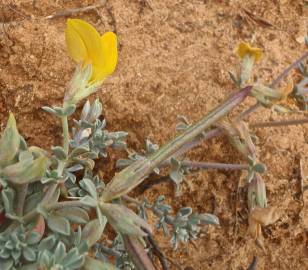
(86, 46)
(90, 37)
(110, 57)
(75, 45)
(244, 49)
(98, 74)
(110, 52)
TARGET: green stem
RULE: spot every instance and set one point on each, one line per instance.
(274, 83)
(189, 134)
(64, 204)
(217, 132)
(213, 165)
(280, 123)
(21, 197)
(64, 121)
(137, 253)
(133, 175)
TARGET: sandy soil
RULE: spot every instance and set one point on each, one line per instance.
(174, 59)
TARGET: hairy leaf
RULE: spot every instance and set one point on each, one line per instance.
(74, 214)
(59, 224)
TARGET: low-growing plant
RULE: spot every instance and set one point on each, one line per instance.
(54, 206)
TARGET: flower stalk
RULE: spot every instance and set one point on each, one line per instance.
(133, 175)
(64, 121)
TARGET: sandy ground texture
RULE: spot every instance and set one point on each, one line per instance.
(174, 58)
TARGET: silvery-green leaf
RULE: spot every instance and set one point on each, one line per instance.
(251, 161)
(59, 224)
(48, 243)
(122, 163)
(88, 201)
(96, 111)
(85, 110)
(73, 260)
(4, 254)
(79, 151)
(32, 201)
(124, 220)
(119, 145)
(74, 168)
(55, 196)
(160, 198)
(69, 110)
(59, 111)
(208, 219)
(33, 238)
(9, 245)
(50, 110)
(48, 180)
(32, 266)
(250, 175)
(59, 152)
(185, 211)
(23, 144)
(83, 247)
(92, 232)
(76, 264)
(89, 186)
(29, 254)
(26, 171)
(71, 256)
(60, 251)
(41, 209)
(16, 254)
(194, 219)
(102, 219)
(88, 163)
(23, 155)
(14, 217)
(77, 236)
(93, 264)
(74, 214)
(175, 163)
(260, 168)
(150, 147)
(44, 259)
(6, 264)
(8, 196)
(181, 127)
(177, 176)
(9, 142)
(89, 155)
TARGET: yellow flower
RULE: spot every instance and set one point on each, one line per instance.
(87, 47)
(244, 49)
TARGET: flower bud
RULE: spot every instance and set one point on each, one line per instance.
(249, 55)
